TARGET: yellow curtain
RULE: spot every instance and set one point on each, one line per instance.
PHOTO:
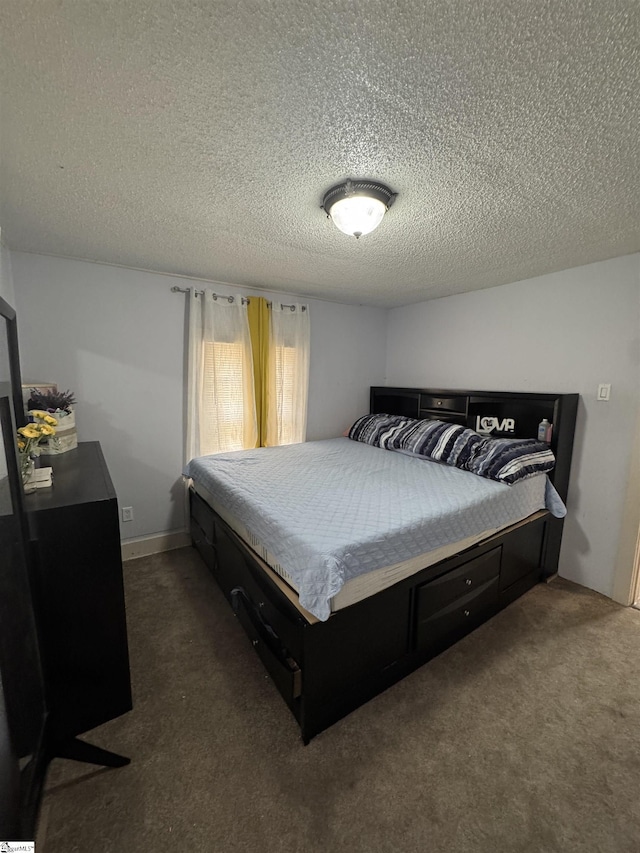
(259, 330)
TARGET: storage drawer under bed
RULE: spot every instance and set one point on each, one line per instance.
(205, 548)
(231, 562)
(458, 600)
(280, 665)
(237, 569)
(202, 514)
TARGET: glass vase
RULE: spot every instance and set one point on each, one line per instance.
(27, 467)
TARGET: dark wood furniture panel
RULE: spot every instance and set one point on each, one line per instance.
(22, 705)
(398, 401)
(269, 645)
(79, 600)
(458, 583)
(443, 407)
(440, 403)
(458, 617)
(325, 670)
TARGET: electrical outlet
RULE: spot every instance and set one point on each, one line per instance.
(604, 391)
(127, 513)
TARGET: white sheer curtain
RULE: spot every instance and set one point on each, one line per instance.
(288, 380)
(221, 412)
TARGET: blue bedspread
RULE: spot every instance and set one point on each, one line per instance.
(330, 510)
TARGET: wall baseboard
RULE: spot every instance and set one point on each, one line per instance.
(143, 546)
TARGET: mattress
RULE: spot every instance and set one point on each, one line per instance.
(340, 515)
(361, 586)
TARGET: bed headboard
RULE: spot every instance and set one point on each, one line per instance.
(498, 413)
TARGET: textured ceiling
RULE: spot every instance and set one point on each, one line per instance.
(198, 138)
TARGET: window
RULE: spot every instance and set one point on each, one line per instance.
(223, 407)
(248, 374)
(286, 365)
(288, 374)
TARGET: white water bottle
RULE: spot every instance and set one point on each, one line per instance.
(544, 431)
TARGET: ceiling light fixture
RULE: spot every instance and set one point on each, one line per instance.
(357, 207)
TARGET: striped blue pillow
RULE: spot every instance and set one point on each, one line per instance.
(379, 430)
(443, 442)
(507, 460)
(510, 460)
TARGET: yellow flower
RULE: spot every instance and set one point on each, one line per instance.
(45, 429)
(21, 444)
(43, 416)
(29, 431)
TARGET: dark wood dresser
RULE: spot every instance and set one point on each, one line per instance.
(79, 601)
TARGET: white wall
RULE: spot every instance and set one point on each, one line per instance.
(348, 348)
(6, 277)
(116, 337)
(564, 332)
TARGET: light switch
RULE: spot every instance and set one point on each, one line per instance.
(604, 391)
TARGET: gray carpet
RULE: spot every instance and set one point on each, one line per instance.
(522, 737)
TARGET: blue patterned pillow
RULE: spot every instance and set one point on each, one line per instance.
(510, 460)
(445, 442)
(507, 460)
(378, 430)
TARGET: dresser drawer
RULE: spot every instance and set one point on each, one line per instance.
(449, 404)
(457, 583)
(458, 618)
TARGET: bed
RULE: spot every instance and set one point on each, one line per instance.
(372, 559)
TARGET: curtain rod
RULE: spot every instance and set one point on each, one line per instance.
(244, 299)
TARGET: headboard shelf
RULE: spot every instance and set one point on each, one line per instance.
(504, 414)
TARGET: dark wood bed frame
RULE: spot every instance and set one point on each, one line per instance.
(325, 670)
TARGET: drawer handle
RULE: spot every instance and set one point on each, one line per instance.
(438, 402)
(468, 581)
(467, 613)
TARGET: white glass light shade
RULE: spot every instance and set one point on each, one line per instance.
(357, 214)
(357, 206)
